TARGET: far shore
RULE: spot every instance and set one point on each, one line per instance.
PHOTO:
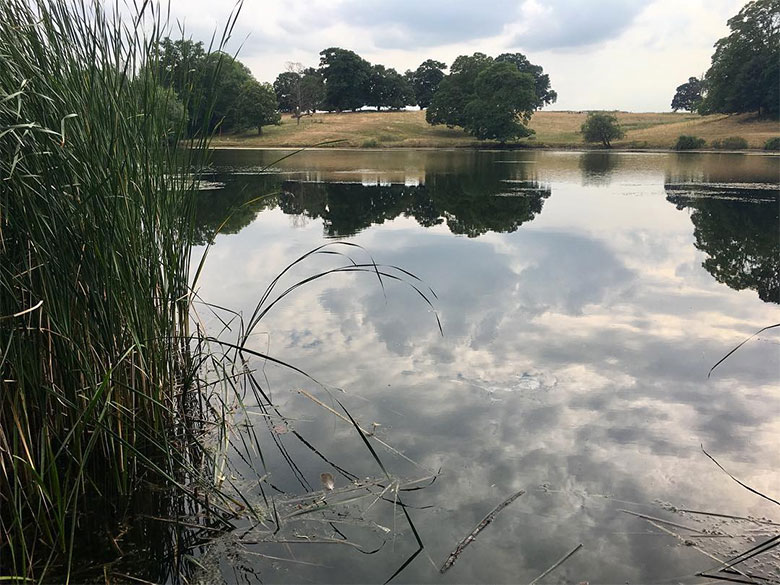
(645, 132)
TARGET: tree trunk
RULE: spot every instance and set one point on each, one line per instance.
(259, 130)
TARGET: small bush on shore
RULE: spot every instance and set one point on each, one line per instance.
(772, 143)
(685, 142)
(732, 143)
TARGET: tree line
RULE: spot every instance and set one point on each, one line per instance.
(345, 81)
(212, 89)
(744, 75)
(488, 97)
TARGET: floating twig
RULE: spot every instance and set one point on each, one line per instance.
(728, 567)
(556, 565)
(725, 357)
(730, 516)
(662, 521)
(479, 528)
(744, 485)
(684, 541)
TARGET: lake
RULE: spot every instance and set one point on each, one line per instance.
(582, 297)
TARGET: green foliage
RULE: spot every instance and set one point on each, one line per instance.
(387, 88)
(685, 142)
(490, 99)
(744, 75)
(688, 96)
(772, 143)
(425, 80)
(347, 79)
(733, 143)
(286, 88)
(311, 91)
(220, 83)
(180, 62)
(96, 216)
(739, 236)
(299, 91)
(209, 86)
(544, 95)
(473, 203)
(601, 127)
(255, 107)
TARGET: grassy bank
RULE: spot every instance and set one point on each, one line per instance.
(553, 129)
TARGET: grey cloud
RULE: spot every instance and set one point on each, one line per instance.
(411, 23)
(576, 23)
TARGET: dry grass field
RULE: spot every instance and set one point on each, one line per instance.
(553, 129)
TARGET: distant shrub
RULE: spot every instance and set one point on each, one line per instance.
(772, 143)
(389, 138)
(689, 143)
(370, 143)
(734, 143)
(716, 144)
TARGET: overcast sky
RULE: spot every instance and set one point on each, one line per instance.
(600, 54)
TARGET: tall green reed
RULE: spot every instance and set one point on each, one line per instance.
(106, 390)
(96, 221)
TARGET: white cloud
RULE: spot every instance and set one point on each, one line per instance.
(614, 54)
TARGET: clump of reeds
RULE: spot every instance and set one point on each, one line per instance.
(95, 235)
(104, 388)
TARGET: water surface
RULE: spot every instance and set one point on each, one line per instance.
(583, 297)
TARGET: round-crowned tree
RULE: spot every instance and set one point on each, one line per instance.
(601, 127)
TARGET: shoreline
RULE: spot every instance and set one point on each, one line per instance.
(562, 148)
(644, 132)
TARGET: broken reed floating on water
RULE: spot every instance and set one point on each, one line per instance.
(471, 536)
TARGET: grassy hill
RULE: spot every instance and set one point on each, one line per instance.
(553, 129)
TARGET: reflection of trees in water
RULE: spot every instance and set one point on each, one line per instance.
(469, 207)
(598, 167)
(738, 230)
(471, 203)
(235, 202)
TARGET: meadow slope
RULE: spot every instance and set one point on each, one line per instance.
(553, 129)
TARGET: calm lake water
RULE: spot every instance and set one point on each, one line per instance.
(583, 297)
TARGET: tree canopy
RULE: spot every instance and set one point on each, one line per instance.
(688, 96)
(255, 106)
(744, 75)
(601, 127)
(215, 89)
(425, 80)
(347, 77)
(299, 91)
(351, 82)
(388, 88)
(544, 94)
(491, 98)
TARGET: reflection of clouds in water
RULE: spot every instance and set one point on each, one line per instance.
(575, 356)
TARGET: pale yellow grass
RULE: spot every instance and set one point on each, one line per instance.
(553, 129)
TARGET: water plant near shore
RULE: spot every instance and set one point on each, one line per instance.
(112, 401)
(95, 232)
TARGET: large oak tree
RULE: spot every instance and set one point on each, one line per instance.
(491, 98)
(744, 75)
